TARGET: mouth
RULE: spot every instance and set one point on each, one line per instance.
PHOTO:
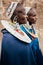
(34, 22)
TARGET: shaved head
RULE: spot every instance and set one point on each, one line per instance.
(20, 13)
(32, 16)
(32, 12)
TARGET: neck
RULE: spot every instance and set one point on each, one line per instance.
(30, 23)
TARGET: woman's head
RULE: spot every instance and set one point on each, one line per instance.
(20, 13)
(32, 16)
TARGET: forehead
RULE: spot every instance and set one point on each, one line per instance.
(20, 9)
(32, 12)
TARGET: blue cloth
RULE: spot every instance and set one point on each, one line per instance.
(23, 28)
(16, 52)
(35, 46)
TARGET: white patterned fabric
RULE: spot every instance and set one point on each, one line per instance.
(27, 9)
(11, 9)
(9, 27)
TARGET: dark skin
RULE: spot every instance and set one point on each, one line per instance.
(22, 19)
(32, 16)
(21, 14)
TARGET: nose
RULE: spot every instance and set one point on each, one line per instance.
(36, 17)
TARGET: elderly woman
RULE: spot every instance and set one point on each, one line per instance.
(31, 32)
(16, 49)
(16, 44)
(32, 18)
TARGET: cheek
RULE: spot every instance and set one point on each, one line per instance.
(32, 18)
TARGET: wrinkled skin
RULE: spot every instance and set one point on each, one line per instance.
(32, 16)
(21, 15)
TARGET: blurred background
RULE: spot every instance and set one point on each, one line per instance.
(38, 5)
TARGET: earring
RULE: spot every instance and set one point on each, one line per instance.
(15, 19)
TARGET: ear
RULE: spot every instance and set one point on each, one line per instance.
(22, 2)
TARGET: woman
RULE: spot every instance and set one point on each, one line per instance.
(27, 28)
(16, 48)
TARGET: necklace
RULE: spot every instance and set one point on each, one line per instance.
(16, 27)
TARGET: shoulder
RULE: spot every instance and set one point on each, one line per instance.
(7, 37)
(10, 41)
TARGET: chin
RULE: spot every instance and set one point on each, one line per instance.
(23, 23)
(34, 22)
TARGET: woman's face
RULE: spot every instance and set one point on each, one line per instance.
(32, 16)
(21, 15)
(22, 18)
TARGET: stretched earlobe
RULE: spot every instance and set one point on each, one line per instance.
(15, 18)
